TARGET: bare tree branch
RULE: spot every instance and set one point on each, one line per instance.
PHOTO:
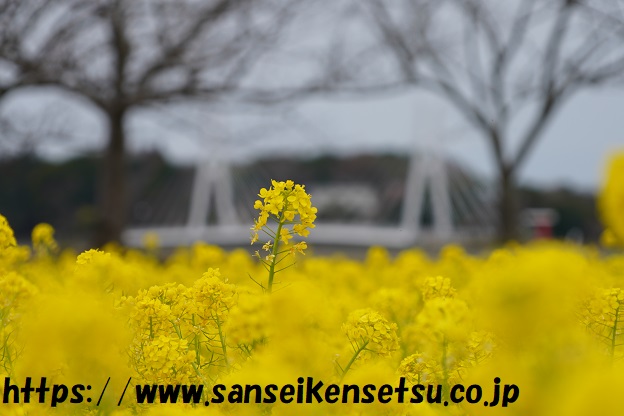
(124, 54)
(506, 58)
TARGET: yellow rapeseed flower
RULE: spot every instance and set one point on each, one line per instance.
(290, 208)
(367, 329)
(418, 369)
(288, 204)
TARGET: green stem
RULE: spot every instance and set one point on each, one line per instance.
(352, 360)
(177, 330)
(247, 350)
(614, 331)
(223, 346)
(199, 374)
(197, 345)
(9, 361)
(275, 253)
(444, 365)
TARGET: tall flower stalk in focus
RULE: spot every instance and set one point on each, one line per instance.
(285, 210)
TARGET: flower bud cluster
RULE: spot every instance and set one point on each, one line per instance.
(367, 329)
(289, 204)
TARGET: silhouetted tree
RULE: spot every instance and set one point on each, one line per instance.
(506, 66)
(121, 55)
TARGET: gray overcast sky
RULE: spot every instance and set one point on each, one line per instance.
(572, 151)
(577, 145)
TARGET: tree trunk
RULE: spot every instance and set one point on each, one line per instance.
(112, 204)
(508, 208)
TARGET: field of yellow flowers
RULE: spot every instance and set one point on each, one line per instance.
(534, 330)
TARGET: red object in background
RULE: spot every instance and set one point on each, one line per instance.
(544, 230)
(540, 221)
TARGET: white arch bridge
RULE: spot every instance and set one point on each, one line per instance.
(460, 210)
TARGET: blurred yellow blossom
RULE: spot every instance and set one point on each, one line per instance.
(417, 369)
(370, 334)
(611, 201)
(7, 238)
(43, 239)
(545, 317)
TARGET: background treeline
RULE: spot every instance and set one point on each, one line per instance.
(64, 194)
